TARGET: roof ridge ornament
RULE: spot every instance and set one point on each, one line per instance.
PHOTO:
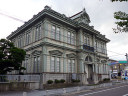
(47, 7)
(84, 10)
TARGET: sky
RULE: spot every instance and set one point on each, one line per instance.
(100, 12)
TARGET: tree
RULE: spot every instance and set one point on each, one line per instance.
(122, 25)
(119, 0)
(11, 57)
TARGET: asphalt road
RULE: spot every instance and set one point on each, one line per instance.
(111, 91)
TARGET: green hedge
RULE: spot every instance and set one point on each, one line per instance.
(77, 80)
(106, 79)
(57, 81)
(50, 81)
(62, 81)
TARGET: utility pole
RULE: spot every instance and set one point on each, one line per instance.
(126, 58)
(126, 77)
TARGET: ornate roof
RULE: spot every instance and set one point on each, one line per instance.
(81, 17)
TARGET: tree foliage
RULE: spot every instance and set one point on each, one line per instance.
(118, 0)
(122, 25)
(11, 57)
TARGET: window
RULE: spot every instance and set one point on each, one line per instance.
(25, 64)
(27, 38)
(73, 66)
(88, 58)
(69, 37)
(52, 64)
(34, 67)
(38, 33)
(85, 40)
(104, 48)
(72, 38)
(95, 44)
(20, 42)
(53, 32)
(58, 65)
(69, 66)
(88, 41)
(99, 47)
(36, 64)
(57, 33)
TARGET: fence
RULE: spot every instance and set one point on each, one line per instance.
(19, 78)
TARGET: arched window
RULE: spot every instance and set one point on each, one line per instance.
(88, 58)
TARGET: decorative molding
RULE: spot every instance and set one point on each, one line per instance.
(88, 59)
(103, 61)
(72, 55)
(36, 52)
(56, 52)
(27, 55)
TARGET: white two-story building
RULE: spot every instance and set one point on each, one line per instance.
(58, 46)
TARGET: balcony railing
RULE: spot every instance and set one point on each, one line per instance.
(88, 48)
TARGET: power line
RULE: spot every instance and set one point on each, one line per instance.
(114, 52)
(14, 18)
(113, 55)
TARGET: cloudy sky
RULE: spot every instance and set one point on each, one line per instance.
(100, 12)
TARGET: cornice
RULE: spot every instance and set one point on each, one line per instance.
(60, 17)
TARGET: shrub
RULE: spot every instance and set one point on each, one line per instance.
(77, 80)
(49, 81)
(73, 80)
(57, 81)
(62, 80)
(106, 79)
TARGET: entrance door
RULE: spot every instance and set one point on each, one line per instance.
(90, 72)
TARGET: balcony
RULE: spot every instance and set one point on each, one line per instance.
(88, 48)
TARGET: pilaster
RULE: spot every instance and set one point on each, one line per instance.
(44, 58)
(80, 39)
(45, 30)
(64, 62)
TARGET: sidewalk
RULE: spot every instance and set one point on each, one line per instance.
(62, 91)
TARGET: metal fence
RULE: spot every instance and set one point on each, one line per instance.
(19, 78)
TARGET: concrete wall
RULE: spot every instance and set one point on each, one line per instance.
(17, 86)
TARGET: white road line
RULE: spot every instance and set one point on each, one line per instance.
(125, 95)
(104, 90)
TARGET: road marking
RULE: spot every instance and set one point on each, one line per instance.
(104, 90)
(125, 95)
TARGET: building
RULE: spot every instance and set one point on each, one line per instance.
(118, 67)
(62, 47)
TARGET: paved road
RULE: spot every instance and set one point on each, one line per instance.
(115, 89)
(111, 91)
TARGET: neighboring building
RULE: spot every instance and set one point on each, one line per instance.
(59, 46)
(118, 66)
